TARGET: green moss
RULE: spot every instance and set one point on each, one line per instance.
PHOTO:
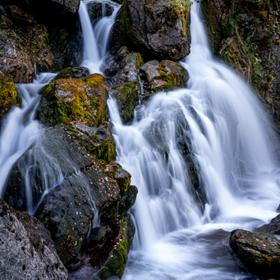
(8, 94)
(69, 100)
(115, 264)
(127, 96)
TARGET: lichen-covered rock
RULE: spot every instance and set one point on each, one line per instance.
(163, 75)
(69, 100)
(24, 45)
(156, 28)
(246, 35)
(26, 250)
(259, 252)
(8, 94)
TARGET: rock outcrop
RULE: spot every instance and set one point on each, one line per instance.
(26, 249)
(246, 35)
(158, 29)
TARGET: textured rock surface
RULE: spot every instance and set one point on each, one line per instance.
(156, 28)
(164, 75)
(23, 45)
(26, 250)
(259, 252)
(273, 227)
(246, 35)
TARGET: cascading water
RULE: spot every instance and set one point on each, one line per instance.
(96, 37)
(21, 132)
(20, 129)
(232, 143)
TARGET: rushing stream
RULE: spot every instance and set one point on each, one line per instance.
(181, 231)
(233, 146)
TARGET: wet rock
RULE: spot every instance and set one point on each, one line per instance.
(127, 96)
(73, 72)
(259, 252)
(24, 45)
(123, 67)
(163, 75)
(27, 252)
(68, 100)
(158, 29)
(273, 227)
(97, 10)
(123, 71)
(67, 212)
(116, 260)
(8, 95)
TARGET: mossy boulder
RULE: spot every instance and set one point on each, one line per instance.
(259, 252)
(69, 100)
(156, 28)
(8, 94)
(164, 75)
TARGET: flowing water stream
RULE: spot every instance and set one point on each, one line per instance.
(218, 119)
(233, 146)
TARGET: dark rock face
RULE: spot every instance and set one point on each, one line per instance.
(23, 45)
(259, 252)
(273, 227)
(26, 250)
(246, 35)
(159, 29)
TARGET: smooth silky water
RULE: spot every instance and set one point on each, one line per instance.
(218, 117)
(230, 137)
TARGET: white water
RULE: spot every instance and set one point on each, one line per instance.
(96, 37)
(233, 145)
(20, 130)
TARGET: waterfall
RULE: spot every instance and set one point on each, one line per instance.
(20, 130)
(233, 146)
(96, 37)
(22, 137)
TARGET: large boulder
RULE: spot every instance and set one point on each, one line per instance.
(8, 94)
(26, 250)
(68, 100)
(259, 252)
(156, 28)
